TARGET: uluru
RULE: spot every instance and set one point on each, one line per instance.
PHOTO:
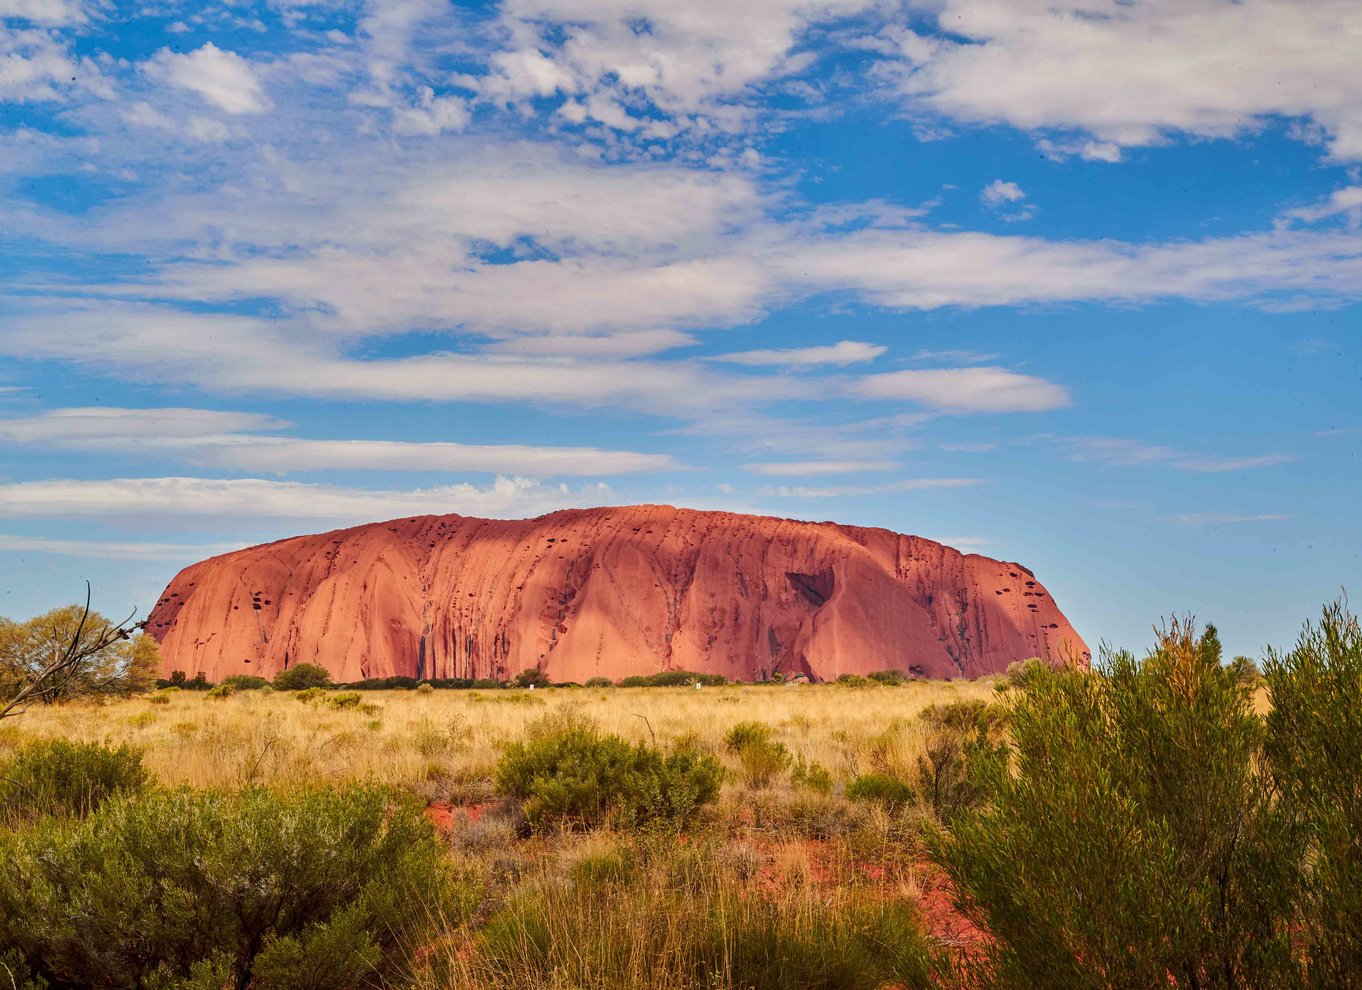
(608, 592)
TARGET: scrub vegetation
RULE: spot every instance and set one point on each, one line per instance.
(1177, 819)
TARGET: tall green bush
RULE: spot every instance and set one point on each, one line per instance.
(1315, 745)
(316, 889)
(302, 676)
(1133, 841)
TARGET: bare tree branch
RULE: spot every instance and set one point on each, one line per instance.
(50, 678)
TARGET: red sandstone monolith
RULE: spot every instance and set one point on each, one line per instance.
(608, 592)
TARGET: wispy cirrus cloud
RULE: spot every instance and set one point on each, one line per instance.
(1225, 518)
(179, 500)
(967, 390)
(851, 491)
(1125, 452)
(842, 353)
(209, 438)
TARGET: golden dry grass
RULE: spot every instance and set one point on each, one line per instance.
(409, 738)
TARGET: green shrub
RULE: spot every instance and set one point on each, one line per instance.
(1314, 743)
(161, 697)
(599, 682)
(811, 776)
(179, 679)
(344, 699)
(673, 678)
(569, 774)
(890, 677)
(955, 735)
(245, 682)
(1133, 841)
(852, 680)
(762, 758)
(302, 676)
(319, 889)
(56, 777)
(531, 677)
(425, 689)
(309, 695)
(1020, 672)
(220, 691)
(881, 789)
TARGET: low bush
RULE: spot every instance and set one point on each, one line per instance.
(881, 789)
(425, 689)
(673, 678)
(179, 679)
(599, 682)
(1021, 672)
(890, 677)
(302, 676)
(161, 697)
(245, 682)
(761, 758)
(309, 695)
(531, 677)
(67, 779)
(853, 680)
(344, 700)
(811, 776)
(319, 889)
(220, 691)
(568, 774)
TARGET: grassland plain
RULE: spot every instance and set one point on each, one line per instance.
(1171, 820)
(452, 739)
(783, 881)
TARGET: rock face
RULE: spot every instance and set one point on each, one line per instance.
(608, 592)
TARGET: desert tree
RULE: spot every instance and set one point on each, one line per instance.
(71, 651)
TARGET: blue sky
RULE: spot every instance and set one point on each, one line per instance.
(1070, 282)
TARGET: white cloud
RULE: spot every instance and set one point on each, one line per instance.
(845, 491)
(803, 468)
(1347, 200)
(685, 59)
(231, 354)
(956, 356)
(222, 78)
(432, 115)
(112, 549)
(967, 390)
(36, 67)
(626, 344)
(49, 13)
(1007, 200)
(232, 440)
(1224, 518)
(1124, 452)
(999, 193)
(250, 499)
(1127, 73)
(842, 353)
